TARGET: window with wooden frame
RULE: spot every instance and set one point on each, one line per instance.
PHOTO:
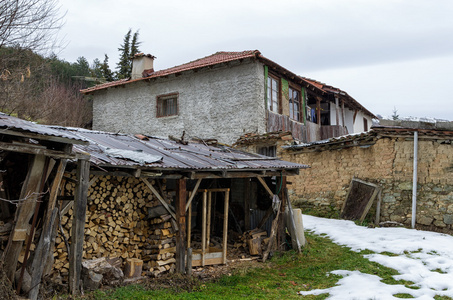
(167, 105)
(273, 93)
(294, 104)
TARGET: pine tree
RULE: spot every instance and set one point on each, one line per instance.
(105, 69)
(395, 116)
(127, 50)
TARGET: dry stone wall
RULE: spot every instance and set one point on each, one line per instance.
(388, 163)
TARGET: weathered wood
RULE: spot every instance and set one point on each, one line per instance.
(133, 268)
(189, 262)
(78, 226)
(55, 189)
(40, 255)
(35, 151)
(266, 187)
(225, 226)
(208, 220)
(193, 193)
(272, 237)
(159, 197)
(181, 219)
(189, 225)
(30, 190)
(247, 206)
(46, 173)
(203, 228)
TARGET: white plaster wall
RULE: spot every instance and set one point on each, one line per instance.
(221, 103)
(349, 119)
(358, 124)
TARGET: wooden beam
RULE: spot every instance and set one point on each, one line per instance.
(36, 151)
(203, 228)
(181, 195)
(78, 226)
(54, 190)
(193, 193)
(225, 226)
(29, 194)
(159, 197)
(41, 252)
(266, 187)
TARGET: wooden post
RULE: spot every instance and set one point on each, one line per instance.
(203, 228)
(30, 190)
(181, 220)
(225, 225)
(78, 225)
(208, 217)
(247, 204)
(189, 261)
(318, 111)
(189, 224)
(281, 225)
(40, 254)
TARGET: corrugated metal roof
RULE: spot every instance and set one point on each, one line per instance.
(15, 124)
(170, 155)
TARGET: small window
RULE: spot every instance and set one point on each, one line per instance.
(268, 151)
(365, 124)
(273, 91)
(294, 104)
(167, 105)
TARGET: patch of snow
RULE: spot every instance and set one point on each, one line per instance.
(423, 257)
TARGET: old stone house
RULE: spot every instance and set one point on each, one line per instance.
(223, 96)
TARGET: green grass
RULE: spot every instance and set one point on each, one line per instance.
(280, 278)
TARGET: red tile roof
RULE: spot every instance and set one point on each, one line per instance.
(223, 57)
(216, 58)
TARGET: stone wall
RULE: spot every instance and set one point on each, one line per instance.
(222, 103)
(388, 163)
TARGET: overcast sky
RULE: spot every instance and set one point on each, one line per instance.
(384, 53)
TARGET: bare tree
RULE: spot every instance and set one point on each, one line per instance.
(29, 24)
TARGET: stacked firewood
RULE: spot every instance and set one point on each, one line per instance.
(255, 241)
(117, 224)
(160, 246)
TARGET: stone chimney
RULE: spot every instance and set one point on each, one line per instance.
(140, 63)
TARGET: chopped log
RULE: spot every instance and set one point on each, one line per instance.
(133, 267)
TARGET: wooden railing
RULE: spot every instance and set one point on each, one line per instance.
(277, 122)
(306, 133)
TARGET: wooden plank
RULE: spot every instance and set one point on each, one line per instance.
(378, 209)
(203, 228)
(247, 205)
(189, 262)
(181, 219)
(208, 219)
(189, 225)
(159, 197)
(41, 252)
(208, 262)
(225, 226)
(266, 187)
(35, 151)
(272, 237)
(54, 190)
(30, 190)
(193, 193)
(78, 226)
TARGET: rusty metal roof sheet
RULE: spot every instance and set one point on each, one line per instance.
(168, 154)
(11, 123)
